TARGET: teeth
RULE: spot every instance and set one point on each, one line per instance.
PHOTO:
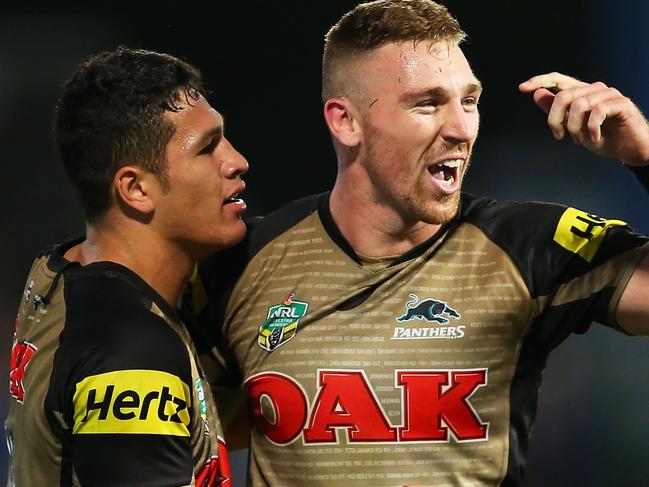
(446, 182)
(452, 163)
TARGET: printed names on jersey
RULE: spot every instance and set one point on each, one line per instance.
(369, 403)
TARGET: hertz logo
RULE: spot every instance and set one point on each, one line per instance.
(133, 402)
(582, 233)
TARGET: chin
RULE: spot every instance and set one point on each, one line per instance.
(230, 238)
(442, 210)
(221, 240)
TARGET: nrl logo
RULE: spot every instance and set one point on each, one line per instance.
(281, 323)
(429, 310)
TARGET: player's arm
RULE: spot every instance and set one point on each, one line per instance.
(609, 124)
(126, 403)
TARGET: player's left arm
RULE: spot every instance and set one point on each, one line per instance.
(609, 124)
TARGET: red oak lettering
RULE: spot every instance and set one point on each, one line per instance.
(288, 401)
(346, 400)
(427, 404)
(21, 354)
(434, 401)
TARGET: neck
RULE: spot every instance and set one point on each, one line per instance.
(372, 227)
(161, 264)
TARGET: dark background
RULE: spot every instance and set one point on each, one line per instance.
(261, 63)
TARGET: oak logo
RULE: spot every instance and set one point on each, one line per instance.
(435, 405)
(132, 401)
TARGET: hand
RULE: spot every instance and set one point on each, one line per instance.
(596, 116)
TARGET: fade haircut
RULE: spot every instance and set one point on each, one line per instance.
(111, 114)
(373, 24)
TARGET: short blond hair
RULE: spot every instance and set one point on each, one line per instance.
(373, 24)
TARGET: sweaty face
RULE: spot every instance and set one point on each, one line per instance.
(419, 120)
(202, 210)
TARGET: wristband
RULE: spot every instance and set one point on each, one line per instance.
(642, 173)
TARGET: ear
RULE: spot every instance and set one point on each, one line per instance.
(135, 188)
(342, 121)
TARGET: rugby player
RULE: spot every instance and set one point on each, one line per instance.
(394, 330)
(105, 383)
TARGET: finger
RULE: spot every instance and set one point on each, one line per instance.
(581, 108)
(595, 120)
(543, 98)
(558, 113)
(600, 112)
(554, 80)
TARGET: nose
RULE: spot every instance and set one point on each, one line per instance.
(460, 126)
(235, 164)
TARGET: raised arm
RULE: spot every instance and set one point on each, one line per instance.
(609, 124)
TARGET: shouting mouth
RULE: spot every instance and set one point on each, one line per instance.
(446, 175)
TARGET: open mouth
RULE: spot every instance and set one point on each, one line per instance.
(234, 199)
(446, 174)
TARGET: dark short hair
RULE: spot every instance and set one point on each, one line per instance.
(111, 114)
(370, 25)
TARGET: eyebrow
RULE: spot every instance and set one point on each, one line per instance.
(439, 92)
(210, 134)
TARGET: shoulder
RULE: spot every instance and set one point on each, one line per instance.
(494, 216)
(549, 242)
(109, 323)
(265, 229)
(225, 266)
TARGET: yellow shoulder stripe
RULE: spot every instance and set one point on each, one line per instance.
(582, 233)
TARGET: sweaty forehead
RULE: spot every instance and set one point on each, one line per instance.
(195, 119)
(191, 110)
(407, 66)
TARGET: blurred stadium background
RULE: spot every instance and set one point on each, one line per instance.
(261, 64)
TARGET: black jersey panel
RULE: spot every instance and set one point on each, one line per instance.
(547, 331)
(137, 460)
(120, 389)
(109, 324)
(551, 327)
(528, 233)
(523, 399)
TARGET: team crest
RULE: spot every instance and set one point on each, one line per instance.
(281, 323)
(431, 311)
